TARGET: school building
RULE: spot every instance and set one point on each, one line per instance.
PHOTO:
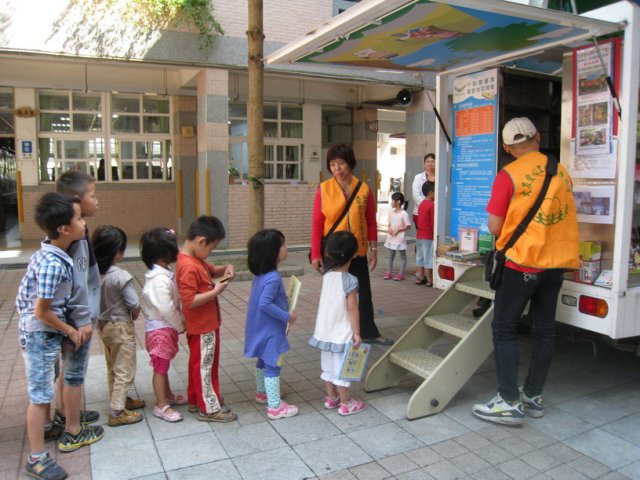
(159, 120)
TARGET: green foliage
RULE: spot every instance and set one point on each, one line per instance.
(192, 13)
(234, 172)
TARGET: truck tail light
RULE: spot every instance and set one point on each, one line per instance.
(593, 306)
(446, 273)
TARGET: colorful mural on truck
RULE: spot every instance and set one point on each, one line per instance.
(430, 36)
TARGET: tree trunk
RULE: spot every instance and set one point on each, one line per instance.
(255, 113)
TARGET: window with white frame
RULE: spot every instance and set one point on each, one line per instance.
(7, 126)
(135, 141)
(283, 133)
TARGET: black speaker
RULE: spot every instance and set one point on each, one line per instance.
(404, 97)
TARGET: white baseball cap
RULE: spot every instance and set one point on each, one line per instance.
(518, 130)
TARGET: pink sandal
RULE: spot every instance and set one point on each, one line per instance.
(171, 417)
(179, 400)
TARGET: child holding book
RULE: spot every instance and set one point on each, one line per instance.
(200, 284)
(338, 323)
(268, 317)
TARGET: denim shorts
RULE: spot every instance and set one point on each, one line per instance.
(424, 253)
(40, 351)
(74, 364)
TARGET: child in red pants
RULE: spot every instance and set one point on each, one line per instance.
(200, 284)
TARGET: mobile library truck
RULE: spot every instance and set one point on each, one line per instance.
(577, 78)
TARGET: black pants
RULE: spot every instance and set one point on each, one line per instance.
(512, 295)
(360, 268)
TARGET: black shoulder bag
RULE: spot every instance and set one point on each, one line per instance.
(337, 222)
(495, 259)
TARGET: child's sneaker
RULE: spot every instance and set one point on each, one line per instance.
(261, 398)
(218, 417)
(283, 411)
(45, 468)
(533, 406)
(134, 404)
(87, 435)
(399, 277)
(331, 403)
(126, 417)
(86, 417)
(53, 432)
(354, 406)
(387, 276)
(500, 411)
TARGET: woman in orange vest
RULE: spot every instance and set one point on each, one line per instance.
(331, 198)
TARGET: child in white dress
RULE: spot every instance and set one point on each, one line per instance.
(338, 321)
(399, 222)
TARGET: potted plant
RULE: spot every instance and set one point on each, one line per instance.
(233, 174)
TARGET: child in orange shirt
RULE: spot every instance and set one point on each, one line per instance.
(200, 284)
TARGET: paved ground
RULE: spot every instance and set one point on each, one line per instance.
(591, 428)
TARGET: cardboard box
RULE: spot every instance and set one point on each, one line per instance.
(588, 272)
(590, 251)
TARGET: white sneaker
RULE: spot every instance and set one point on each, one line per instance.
(500, 411)
(533, 406)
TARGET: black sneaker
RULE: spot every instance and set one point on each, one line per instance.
(54, 432)
(45, 468)
(87, 435)
(86, 417)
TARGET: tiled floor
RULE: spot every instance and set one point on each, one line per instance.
(591, 428)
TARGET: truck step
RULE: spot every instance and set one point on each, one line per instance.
(417, 360)
(479, 288)
(452, 323)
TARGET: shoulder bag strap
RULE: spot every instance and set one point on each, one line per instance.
(346, 208)
(552, 170)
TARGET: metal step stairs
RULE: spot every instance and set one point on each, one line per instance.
(413, 352)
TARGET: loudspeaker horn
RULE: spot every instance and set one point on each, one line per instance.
(404, 97)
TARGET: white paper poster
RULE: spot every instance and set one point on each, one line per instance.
(594, 107)
(595, 203)
(594, 166)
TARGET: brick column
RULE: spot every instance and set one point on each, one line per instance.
(213, 146)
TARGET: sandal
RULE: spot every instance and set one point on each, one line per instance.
(171, 417)
(421, 281)
(429, 284)
(179, 400)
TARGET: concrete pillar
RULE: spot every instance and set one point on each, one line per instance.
(185, 158)
(26, 130)
(211, 180)
(365, 145)
(420, 128)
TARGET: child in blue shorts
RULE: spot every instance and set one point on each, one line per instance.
(83, 309)
(41, 302)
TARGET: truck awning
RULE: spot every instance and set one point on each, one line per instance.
(435, 37)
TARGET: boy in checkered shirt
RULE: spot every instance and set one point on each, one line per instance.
(41, 302)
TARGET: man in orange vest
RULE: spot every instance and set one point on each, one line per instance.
(533, 271)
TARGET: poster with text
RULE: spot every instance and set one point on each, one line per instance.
(473, 168)
(594, 107)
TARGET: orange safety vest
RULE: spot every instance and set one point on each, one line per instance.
(551, 238)
(333, 203)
